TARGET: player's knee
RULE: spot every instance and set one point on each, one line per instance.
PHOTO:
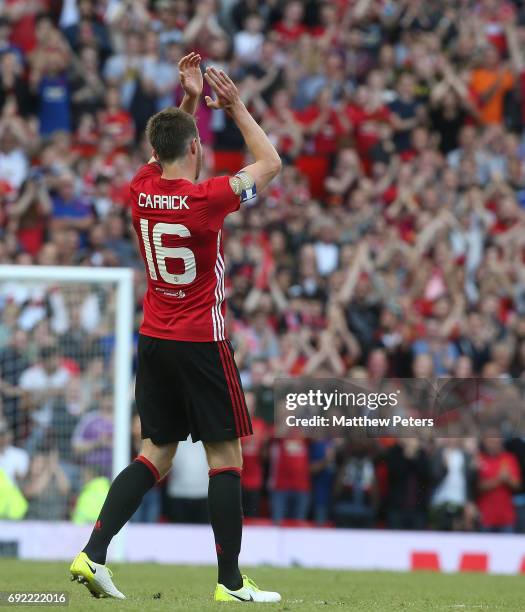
(160, 456)
(224, 454)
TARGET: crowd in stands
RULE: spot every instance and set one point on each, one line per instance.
(392, 242)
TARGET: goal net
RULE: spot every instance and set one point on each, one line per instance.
(65, 388)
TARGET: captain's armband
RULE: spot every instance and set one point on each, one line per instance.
(244, 186)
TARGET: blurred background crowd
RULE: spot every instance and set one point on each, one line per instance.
(392, 244)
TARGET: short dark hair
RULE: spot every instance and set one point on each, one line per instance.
(170, 133)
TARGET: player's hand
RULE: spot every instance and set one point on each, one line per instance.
(190, 74)
(223, 87)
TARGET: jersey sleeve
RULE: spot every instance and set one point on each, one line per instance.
(221, 201)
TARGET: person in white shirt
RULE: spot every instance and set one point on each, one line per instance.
(188, 484)
(248, 42)
(452, 473)
(13, 160)
(45, 381)
(14, 462)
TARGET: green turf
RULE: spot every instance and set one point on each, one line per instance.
(189, 588)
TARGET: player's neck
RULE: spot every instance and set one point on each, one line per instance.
(177, 171)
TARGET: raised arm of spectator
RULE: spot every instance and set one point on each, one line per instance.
(278, 296)
(338, 325)
(327, 354)
(204, 19)
(347, 290)
(515, 50)
(31, 191)
(267, 161)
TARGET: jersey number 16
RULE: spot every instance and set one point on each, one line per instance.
(160, 253)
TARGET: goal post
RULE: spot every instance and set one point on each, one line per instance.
(122, 280)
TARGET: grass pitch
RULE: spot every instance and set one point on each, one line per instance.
(159, 588)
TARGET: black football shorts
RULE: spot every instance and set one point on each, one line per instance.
(189, 387)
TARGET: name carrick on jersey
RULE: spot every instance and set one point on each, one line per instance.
(179, 229)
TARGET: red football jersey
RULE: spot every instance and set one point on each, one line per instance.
(289, 465)
(179, 227)
(252, 464)
(495, 505)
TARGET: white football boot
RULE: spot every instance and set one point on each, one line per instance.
(96, 577)
(248, 592)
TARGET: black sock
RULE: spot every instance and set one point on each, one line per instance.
(123, 499)
(224, 501)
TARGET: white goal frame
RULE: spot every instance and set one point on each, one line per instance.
(122, 278)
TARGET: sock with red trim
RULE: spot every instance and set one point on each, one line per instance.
(225, 508)
(122, 501)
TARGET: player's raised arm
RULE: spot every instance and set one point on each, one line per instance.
(267, 163)
(191, 80)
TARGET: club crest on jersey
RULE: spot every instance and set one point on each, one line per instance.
(163, 202)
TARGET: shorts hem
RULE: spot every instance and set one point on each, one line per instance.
(163, 440)
(219, 437)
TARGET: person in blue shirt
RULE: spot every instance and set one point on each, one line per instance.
(54, 97)
(69, 210)
(323, 469)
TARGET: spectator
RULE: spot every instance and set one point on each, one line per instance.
(290, 484)
(92, 439)
(254, 450)
(407, 112)
(14, 462)
(355, 495)
(69, 211)
(86, 23)
(115, 122)
(13, 86)
(453, 475)
(87, 86)
(290, 27)
(47, 486)
(28, 216)
(187, 487)
(408, 484)
(51, 86)
(490, 81)
(323, 469)
(44, 382)
(498, 477)
(13, 159)
(13, 362)
(248, 42)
